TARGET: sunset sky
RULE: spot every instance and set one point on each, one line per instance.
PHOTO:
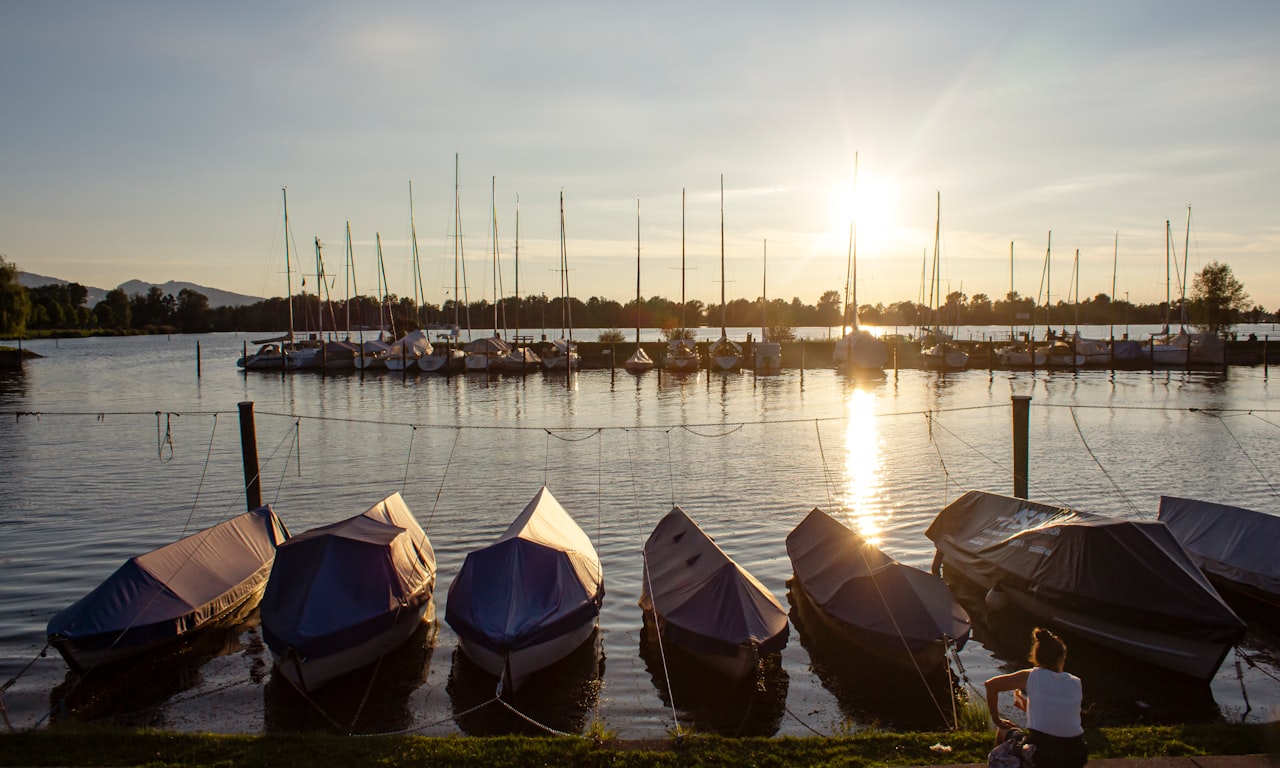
(152, 140)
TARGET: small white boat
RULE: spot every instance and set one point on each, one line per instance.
(682, 356)
(726, 355)
(162, 597)
(639, 362)
(404, 353)
(486, 354)
(342, 595)
(859, 350)
(371, 353)
(705, 603)
(561, 354)
(530, 598)
(943, 355)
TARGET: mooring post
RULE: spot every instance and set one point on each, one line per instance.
(197, 359)
(244, 356)
(1021, 418)
(802, 348)
(1264, 357)
(249, 453)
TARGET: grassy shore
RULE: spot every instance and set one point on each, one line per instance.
(115, 747)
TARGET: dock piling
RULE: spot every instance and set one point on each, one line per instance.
(249, 455)
(1021, 419)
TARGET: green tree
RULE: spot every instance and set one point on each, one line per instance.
(829, 309)
(1217, 298)
(15, 305)
(192, 315)
(114, 311)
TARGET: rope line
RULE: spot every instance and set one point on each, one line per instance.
(1254, 464)
(203, 472)
(167, 440)
(1103, 469)
(801, 721)
(408, 459)
(440, 488)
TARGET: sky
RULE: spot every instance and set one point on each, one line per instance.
(152, 141)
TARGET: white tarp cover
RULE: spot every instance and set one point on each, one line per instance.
(177, 588)
(860, 349)
(709, 602)
(488, 345)
(336, 586)
(1235, 544)
(1128, 572)
(411, 346)
(881, 600)
(539, 580)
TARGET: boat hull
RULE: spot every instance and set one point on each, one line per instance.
(927, 658)
(519, 664)
(311, 674)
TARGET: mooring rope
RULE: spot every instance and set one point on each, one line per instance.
(408, 459)
(440, 488)
(199, 486)
(167, 440)
(1222, 420)
(1103, 469)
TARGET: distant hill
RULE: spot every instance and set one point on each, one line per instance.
(217, 298)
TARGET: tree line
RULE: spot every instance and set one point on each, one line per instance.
(1217, 301)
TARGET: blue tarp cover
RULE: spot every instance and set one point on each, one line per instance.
(539, 580)
(1236, 544)
(338, 585)
(176, 588)
(859, 586)
(708, 601)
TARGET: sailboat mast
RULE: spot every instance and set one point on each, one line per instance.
(457, 248)
(851, 289)
(1076, 270)
(288, 271)
(419, 295)
(517, 336)
(321, 284)
(723, 332)
(1013, 315)
(935, 290)
(493, 206)
(1186, 257)
(637, 273)
(1168, 297)
(384, 292)
(1048, 281)
(1115, 261)
(764, 293)
(349, 276)
(683, 324)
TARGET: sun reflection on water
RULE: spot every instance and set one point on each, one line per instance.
(863, 465)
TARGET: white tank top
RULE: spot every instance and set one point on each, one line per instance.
(1053, 703)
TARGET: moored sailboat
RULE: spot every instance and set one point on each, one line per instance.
(639, 362)
(725, 354)
(858, 350)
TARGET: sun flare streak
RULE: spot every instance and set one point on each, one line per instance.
(863, 467)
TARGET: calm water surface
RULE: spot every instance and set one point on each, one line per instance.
(92, 475)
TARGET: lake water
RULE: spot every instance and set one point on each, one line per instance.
(111, 447)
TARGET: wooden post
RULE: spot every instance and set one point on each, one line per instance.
(197, 359)
(1265, 362)
(244, 355)
(1021, 418)
(802, 347)
(249, 455)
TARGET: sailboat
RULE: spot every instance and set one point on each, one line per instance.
(1057, 352)
(768, 354)
(271, 353)
(519, 359)
(484, 354)
(938, 351)
(726, 355)
(1184, 348)
(682, 355)
(639, 362)
(1086, 351)
(372, 351)
(857, 350)
(316, 352)
(563, 353)
(445, 356)
(1019, 354)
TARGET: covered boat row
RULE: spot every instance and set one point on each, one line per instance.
(339, 596)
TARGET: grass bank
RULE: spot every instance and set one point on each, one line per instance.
(116, 747)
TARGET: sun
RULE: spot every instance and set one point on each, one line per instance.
(871, 204)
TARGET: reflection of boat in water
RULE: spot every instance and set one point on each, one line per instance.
(705, 602)
(705, 701)
(374, 698)
(870, 693)
(530, 598)
(162, 597)
(1125, 585)
(1235, 547)
(560, 696)
(877, 605)
(342, 595)
(135, 695)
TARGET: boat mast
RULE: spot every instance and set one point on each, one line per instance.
(493, 207)
(1168, 297)
(637, 273)
(1013, 315)
(764, 294)
(566, 311)
(419, 292)
(1048, 281)
(723, 332)
(683, 325)
(351, 276)
(1186, 257)
(1075, 269)
(935, 290)
(1115, 260)
(457, 250)
(288, 271)
(517, 306)
(384, 293)
(851, 289)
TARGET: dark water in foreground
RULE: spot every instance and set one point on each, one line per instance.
(92, 475)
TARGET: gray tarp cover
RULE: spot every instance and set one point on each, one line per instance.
(180, 586)
(858, 585)
(539, 580)
(709, 602)
(335, 586)
(1129, 572)
(1237, 544)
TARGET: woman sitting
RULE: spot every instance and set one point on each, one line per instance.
(1051, 700)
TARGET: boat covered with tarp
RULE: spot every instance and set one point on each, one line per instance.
(1126, 585)
(342, 595)
(1235, 547)
(704, 602)
(531, 597)
(167, 594)
(878, 605)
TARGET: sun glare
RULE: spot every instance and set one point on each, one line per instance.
(872, 205)
(862, 466)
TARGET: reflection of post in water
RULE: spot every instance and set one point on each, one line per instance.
(371, 699)
(133, 693)
(561, 696)
(870, 691)
(710, 702)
